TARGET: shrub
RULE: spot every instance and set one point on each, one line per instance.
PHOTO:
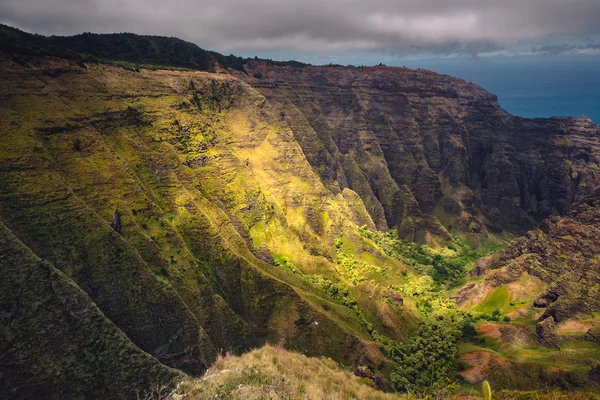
(428, 356)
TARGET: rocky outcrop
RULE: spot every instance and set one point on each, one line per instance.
(545, 332)
(116, 224)
(544, 300)
(595, 373)
(593, 334)
(411, 141)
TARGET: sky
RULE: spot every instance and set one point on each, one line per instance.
(450, 36)
(320, 27)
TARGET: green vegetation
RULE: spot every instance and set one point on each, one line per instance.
(487, 390)
(496, 302)
(336, 291)
(447, 266)
(285, 264)
(354, 270)
(290, 63)
(426, 360)
(90, 47)
(428, 357)
(51, 331)
(214, 97)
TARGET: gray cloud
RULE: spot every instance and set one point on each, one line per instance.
(554, 49)
(396, 26)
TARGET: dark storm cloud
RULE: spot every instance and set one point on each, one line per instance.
(466, 26)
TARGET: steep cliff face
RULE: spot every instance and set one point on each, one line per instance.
(416, 145)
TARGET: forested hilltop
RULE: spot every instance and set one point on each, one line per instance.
(134, 51)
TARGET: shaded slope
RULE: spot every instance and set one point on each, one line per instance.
(56, 343)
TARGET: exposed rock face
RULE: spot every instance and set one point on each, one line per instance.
(593, 334)
(545, 299)
(545, 333)
(415, 142)
(563, 252)
(116, 224)
(595, 373)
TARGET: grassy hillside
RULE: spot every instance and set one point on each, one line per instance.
(151, 191)
(183, 206)
(274, 373)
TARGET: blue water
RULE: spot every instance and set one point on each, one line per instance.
(532, 87)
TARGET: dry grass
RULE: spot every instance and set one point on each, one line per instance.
(274, 373)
